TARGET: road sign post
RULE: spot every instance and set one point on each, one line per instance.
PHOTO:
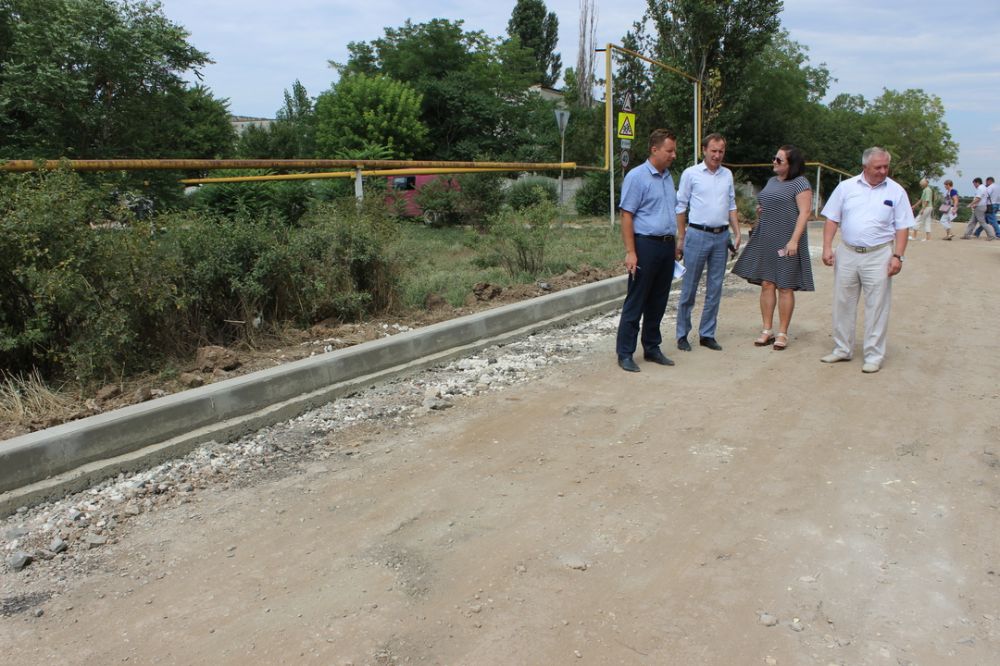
(562, 119)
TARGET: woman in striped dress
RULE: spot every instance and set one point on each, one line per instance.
(777, 255)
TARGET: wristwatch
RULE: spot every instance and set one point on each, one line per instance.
(899, 256)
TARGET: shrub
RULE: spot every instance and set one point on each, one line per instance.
(344, 268)
(592, 197)
(528, 192)
(516, 239)
(480, 195)
(746, 208)
(93, 301)
(78, 291)
(286, 201)
(440, 199)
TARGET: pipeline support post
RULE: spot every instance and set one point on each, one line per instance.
(610, 125)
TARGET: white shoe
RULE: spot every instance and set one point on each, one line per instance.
(833, 358)
(871, 367)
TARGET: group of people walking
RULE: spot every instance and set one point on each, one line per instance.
(984, 206)
(696, 222)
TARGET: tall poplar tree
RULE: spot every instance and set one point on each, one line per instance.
(539, 32)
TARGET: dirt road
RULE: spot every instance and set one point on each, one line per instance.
(744, 507)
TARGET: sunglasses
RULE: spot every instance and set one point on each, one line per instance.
(778, 160)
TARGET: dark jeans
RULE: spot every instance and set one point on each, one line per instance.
(646, 299)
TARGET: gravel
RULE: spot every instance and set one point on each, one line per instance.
(55, 536)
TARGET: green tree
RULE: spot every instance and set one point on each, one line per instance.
(716, 42)
(361, 111)
(474, 88)
(911, 126)
(203, 126)
(539, 32)
(585, 131)
(292, 135)
(783, 105)
(99, 78)
(838, 135)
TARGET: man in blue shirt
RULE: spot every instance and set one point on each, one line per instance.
(649, 230)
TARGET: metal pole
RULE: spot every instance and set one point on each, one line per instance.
(359, 190)
(562, 158)
(697, 121)
(609, 110)
(819, 172)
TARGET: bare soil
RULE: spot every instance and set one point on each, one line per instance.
(743, 507)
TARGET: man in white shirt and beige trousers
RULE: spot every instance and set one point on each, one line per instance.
(874, 217)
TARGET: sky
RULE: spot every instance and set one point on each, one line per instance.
(261, 46)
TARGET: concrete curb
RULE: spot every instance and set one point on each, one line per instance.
(75, 455)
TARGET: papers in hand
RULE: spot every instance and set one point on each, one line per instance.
(679, 270)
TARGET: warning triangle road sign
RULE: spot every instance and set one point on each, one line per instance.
(626, 125)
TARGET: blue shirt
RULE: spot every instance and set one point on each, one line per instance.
(706, 197)
(650, 197)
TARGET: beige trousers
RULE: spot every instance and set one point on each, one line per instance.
(978, 220)
(856, 275)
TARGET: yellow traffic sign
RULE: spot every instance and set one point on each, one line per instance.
(626, 125)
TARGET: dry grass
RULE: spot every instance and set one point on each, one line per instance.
(27, 399)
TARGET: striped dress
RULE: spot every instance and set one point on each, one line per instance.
(759, 260)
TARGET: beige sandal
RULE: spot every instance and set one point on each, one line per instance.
(780, 342)
(766, 338)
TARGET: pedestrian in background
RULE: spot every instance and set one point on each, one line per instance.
(978, 207)
(949, 208)
(924, 207)
(992, 203)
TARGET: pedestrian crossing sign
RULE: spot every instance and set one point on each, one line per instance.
(626, 125)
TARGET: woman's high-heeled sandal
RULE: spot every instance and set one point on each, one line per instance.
(766, 338)
(781, 342)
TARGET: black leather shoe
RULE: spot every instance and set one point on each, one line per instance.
(683, 344)
(711, 344)
(656, 356)
(627, 364)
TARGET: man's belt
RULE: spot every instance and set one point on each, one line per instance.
(711, 230)
(863, 250)
(666, 238)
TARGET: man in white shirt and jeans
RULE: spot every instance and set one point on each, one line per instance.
(990, 212)
(874, 216)
(978, 206)
(706, 212)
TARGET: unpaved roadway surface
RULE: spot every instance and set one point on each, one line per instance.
(744, 507)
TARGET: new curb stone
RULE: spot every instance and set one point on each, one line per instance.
(72, 456)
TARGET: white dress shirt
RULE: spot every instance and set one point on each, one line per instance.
(869, 216)
(707, 197)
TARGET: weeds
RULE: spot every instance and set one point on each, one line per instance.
(26, 398)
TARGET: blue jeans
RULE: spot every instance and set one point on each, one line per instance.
(702, 249)
(646, 299)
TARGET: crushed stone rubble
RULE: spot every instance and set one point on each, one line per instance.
(57, 538)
